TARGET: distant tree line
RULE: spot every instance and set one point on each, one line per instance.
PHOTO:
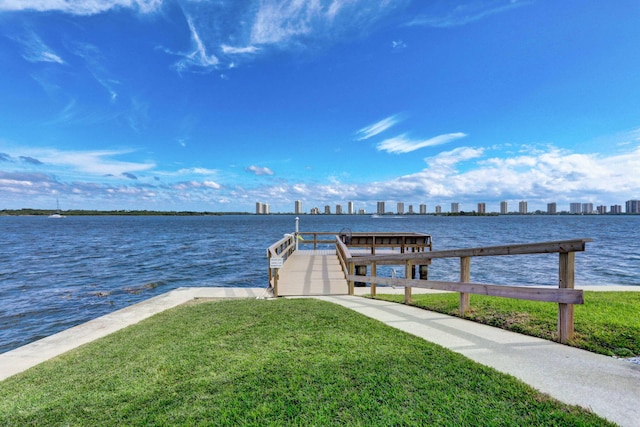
(82, 212)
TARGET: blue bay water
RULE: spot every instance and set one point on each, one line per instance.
(58, 273)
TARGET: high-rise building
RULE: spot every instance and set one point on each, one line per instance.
(632, 206)
(298, 207)
(327, 210)
(315, 211)
(423, 209)
(575, 208)
(350, 208)
(262, 208)
(380, 209)
(411, 212)
(504, 208)
(362, 212)
(482, 208)
(438, 209)
(616, 209)
(400, 208)
(602, 209)
(522, 207)
(338, 209)
(455, 207)
(587, 208)
(552, 208)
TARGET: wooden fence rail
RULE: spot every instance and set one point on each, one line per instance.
(565, 296)
(282, 249)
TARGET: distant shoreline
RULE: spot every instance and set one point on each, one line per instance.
(83, 212)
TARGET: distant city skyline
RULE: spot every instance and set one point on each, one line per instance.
(630, 206)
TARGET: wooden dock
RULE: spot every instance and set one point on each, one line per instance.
(340, 261)
(312, 272)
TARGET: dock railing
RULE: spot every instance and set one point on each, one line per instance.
(277, 254)
(564, 295)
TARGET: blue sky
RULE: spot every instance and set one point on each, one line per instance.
(213, 105)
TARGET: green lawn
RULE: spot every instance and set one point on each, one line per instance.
(282, 362)
(608, 322)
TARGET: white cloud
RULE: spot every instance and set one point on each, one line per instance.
(99, 162)
(461, 14)
(259, 170)
(226, 34)
(211, 184)
(79, 7)
(401, 144)
(199, 56)
(377, 128)
(35, 50)
(231, 50)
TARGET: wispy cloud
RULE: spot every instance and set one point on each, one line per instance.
(79, 7)
(94, 60)
(461, 14)
(377, 128)
(35, 50)
(198, 56)
(402, 144)
(237, 32)
(30, 160)
(5, 157)
(232, 50)
(259, 170)
(94, 163)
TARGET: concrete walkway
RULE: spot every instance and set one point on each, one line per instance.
(607, 386)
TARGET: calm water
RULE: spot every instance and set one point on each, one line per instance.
(57, 273)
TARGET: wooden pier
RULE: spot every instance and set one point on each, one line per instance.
(312, 272)
(340, 260)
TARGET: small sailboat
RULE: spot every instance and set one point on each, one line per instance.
(57, 213)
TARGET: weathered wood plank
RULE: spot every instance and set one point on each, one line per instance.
(465, 277)
(576, 245)
(407, 289)
(565, 296)
(566, 275)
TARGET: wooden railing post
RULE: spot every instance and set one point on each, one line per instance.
(373, 277)
(350, 283)
(407, 275)
(270, 271)
(275, 283)
(565, 311)
(465, 277)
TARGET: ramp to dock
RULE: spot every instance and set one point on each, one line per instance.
(312, 272)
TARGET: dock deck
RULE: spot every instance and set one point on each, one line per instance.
(312, 272)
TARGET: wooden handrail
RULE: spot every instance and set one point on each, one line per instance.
(530, 293)
(281, 249)
(559, 246)
(564, 295)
